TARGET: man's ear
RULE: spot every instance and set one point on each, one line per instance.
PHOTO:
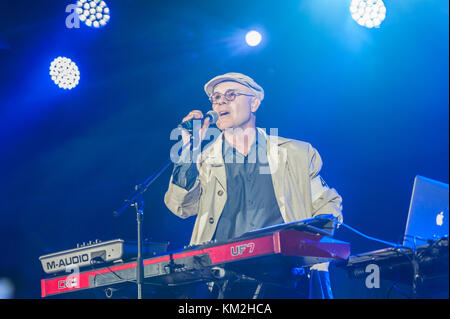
(255, 103)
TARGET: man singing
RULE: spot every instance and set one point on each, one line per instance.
(246, 179)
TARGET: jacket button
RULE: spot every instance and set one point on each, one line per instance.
(220, 193)
(211, 220)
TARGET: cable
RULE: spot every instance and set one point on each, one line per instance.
(111, 271)
(413, 240)
(420, 254)
(358, 232)
(398, 248)
(370, 237)
(394, 286)
(100, 259)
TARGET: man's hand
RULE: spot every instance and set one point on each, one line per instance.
(195, 114)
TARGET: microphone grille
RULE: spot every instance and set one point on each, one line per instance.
(213, 115)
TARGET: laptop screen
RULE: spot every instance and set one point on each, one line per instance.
(428, 212)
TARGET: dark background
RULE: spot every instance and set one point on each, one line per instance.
(374, 102)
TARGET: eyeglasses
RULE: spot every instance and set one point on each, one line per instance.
(230, 95)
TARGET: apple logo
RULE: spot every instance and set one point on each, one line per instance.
(440, 219)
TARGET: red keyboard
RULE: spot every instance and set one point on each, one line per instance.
(263, 256)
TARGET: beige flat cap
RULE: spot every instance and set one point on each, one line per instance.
(235, 77)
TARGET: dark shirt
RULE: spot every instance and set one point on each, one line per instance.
(251, 202)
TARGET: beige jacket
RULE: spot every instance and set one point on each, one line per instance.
(300, 192)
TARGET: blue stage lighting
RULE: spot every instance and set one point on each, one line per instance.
(253, 38)
(94, 13)
(64, 73)
(368, 13)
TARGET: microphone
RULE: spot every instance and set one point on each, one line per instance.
(189, 125)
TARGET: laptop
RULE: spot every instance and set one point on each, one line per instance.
(428, 212)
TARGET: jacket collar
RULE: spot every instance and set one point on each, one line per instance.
(213, 154)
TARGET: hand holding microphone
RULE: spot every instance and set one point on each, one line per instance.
(187, 125)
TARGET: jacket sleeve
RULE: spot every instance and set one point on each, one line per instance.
(325, 200)
(183, 201)
(184, 175)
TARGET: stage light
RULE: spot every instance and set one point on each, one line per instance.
(64, 73)
(253, 38)
(368, 13)
(94, 13)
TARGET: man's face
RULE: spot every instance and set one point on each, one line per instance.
(237, 113)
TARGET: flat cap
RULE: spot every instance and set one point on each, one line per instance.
(235, 77)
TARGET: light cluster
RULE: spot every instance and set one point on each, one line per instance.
(368, 13)
(64, 73)
(94, 13)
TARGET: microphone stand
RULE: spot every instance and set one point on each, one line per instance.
(137, 200)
